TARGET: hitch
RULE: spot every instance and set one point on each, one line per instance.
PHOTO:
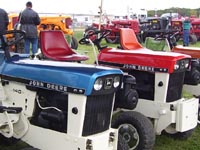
(10, 110)
(12, 122)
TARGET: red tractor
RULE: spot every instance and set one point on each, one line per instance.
(177, 24)
(114, 27)
(196, 27)
(192, 75)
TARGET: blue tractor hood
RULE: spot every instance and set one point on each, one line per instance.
(61, 76)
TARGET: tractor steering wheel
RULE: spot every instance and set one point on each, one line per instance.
(167, 35)
(94, 37)
(171, 37)
(5, 43)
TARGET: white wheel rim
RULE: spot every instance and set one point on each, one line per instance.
(129, 133)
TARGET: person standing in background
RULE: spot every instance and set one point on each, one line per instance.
(29, 21)
(186, 31)
(3, 21)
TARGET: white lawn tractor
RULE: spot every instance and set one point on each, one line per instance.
(159, 82)
(57, 105)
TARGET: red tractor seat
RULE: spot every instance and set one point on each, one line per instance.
(128, 39)
(55, 47)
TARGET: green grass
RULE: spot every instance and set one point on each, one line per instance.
(163, 142)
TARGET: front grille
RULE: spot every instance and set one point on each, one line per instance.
(175, 86)
(97, 114)
(145, 84)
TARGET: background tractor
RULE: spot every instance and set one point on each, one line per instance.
(114, 27)
(177, 25)
(49, 22)
(59, 22)
(156, 26)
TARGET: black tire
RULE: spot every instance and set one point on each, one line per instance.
(29, 148)
(74, 43)
(139, 38)
(178, 37)
(112, 38)
(122, 145)
(180, 135)
(199, 113)
(91, 30)
(193, 38)
(143, 137)
(7, 141)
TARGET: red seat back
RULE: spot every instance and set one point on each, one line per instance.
(128, 39)
(53, 43)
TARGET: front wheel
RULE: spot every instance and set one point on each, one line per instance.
(122, 145)
(7, 141)
(136, 129)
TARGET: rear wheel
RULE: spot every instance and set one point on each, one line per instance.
(193, 38)
(199, 113)
(74, 43)
(90, 31)
(136, 129)
(112, 38)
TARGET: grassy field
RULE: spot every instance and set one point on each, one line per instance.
(163, 142)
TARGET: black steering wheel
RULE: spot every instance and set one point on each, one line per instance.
(96, 37)
(5, 43)
(171, 36)
(167, 34)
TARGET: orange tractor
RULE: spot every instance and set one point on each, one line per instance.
(50, 22)
(58, 22)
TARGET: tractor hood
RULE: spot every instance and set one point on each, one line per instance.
(141, 59)
(194, 52)
(61, 76)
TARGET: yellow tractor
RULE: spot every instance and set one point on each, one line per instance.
(58, 22)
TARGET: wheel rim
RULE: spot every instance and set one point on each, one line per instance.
(130, 135)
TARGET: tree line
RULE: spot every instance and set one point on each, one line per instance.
(182, 11)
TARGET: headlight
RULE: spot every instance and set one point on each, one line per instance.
(176, 66)
(116, 81)
(187, 63)
(182, 64)
(98, 84)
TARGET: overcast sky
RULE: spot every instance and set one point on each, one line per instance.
(91, 6)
